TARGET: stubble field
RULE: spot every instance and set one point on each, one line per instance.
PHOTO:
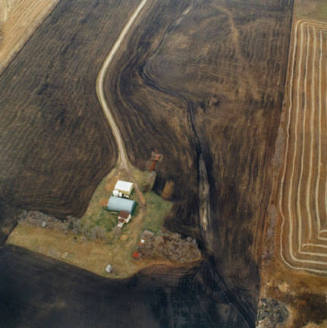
(294, 266)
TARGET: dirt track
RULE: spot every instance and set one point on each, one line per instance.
(99, 86)
(123, 158)
(302, 194)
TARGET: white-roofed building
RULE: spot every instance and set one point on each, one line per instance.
(123, 189)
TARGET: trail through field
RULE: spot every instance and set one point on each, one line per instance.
(123, 160)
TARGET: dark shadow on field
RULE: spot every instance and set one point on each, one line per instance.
(36, 291)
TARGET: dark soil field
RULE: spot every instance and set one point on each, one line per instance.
(38, 292)
(55, 142)
(203, 81)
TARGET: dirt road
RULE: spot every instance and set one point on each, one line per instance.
(123, 158)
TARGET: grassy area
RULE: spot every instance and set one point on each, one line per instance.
(106, 219)
(144, 179)
(117, 246)
(157, 210)
(89, 255)
(96, 215)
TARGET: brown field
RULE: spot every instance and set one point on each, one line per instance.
(313, 9)
(56, 145)
(203, 83)
(303, 294)
(295, 258)
(302, 193)
(19, 20)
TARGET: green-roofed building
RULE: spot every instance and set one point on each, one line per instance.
(117, 204)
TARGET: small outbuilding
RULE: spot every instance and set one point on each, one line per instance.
(123, 218)
(123, 189)
(117, 204)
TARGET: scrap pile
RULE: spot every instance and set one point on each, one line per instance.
(169, 246)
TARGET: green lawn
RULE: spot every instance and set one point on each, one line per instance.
(144, 179)
(157, 210)
(97, 216)
(106, 219)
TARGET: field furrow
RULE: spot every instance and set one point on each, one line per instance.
(302, 193)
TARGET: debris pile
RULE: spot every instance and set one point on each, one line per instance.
(271, 313)
(69, 224)
(169, 246)
(43, 220)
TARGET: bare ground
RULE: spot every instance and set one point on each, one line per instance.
(294, 256)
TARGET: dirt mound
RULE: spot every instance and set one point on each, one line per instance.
(271, 313)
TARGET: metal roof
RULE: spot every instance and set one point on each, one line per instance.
(124, 186)
(117, 204)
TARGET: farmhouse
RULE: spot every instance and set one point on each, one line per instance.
(117, 204)
(123, 189)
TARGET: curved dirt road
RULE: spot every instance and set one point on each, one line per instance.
(123, 158)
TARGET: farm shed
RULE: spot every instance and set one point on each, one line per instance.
(123, 188)
(117, 204)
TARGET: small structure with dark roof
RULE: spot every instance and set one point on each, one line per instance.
(123, 218)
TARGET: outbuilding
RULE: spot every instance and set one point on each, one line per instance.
(123, 189)
(117, 204)
(123, 218)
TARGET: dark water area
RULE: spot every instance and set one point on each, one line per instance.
(36, 291)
